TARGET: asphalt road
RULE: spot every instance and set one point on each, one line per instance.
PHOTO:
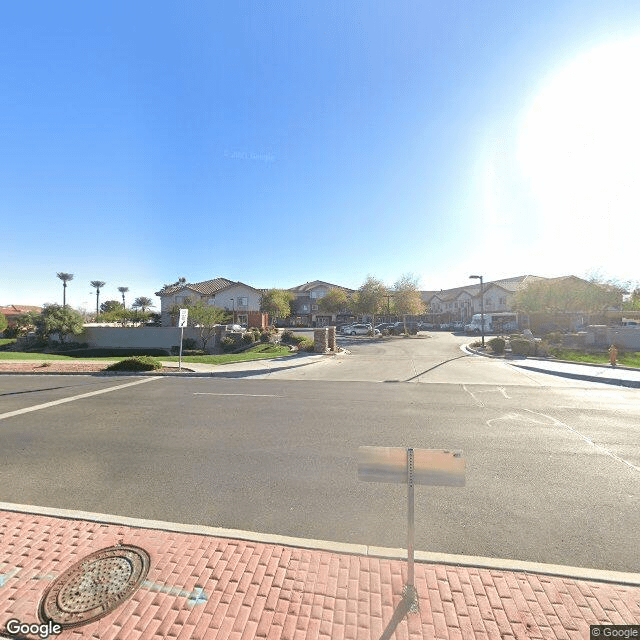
(553, 470)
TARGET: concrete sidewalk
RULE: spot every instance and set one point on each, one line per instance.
(261, 367)
(210, 584)
(620, 376)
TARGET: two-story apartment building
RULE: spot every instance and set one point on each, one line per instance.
(305, 308)
(241, 300)
(460, 303)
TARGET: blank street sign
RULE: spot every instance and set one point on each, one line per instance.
(431, 466)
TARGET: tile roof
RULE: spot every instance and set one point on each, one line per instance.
(17, 309)
(307, 286)
(509, 284)
(207, 287)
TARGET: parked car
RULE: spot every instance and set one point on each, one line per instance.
(384, 326)
(358, 329)
(426, 326)
(398, 327)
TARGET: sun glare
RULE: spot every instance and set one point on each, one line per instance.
(579, 142)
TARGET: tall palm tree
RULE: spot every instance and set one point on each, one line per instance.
(123, 290)
(142, 303)
(97, 284)
(65, 277)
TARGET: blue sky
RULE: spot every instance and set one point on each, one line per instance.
(276, 143)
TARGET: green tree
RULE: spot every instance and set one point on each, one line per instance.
(111, 305)
(57, 319)
(123, 290)
(205, 317)
(335, 301)
(3, 322)
(97, 285)
(143, 303)
(25, 323)
(407, 299)
(370, 298)
(567, 295)
(277, 303)
(65, 277)
(633, 303)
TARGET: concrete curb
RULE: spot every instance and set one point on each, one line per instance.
(633, 384)
(502, 564)
(184, 374)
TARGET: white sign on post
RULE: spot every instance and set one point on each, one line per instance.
(411, 466)
(182, 321)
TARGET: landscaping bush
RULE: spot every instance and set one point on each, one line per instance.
(476, 344)
(306, 344)
(189, 343)
(265, 337)
(288, 337)
(228, 344)
(520, 347)
(194, 352)
(249, 337)
(555, 337)
(497, 345)
(139, 363)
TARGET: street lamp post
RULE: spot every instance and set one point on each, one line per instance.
(481, 305)
(233, 306)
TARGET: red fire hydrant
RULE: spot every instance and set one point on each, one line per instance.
(613, 354)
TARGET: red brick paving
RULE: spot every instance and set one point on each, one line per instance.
(208, 588)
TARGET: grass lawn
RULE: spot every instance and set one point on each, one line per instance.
(629, 359)
(4, 341)
(256, 353)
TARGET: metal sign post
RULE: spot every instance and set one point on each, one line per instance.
(434, 467)
(182, 323)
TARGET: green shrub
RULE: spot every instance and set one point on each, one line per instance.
(194, 352)
(497, 345)
(555, 337)
(476, 344)
(306, 345)
(228, 344)
(189, 343)
(520, 347)
(248, 337)
(139, 363)
(265, 337)
(288, 337)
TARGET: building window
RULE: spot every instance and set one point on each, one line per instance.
(242, 301)
(243, 319)
(211, 301)
(314, 307)
(305, 307)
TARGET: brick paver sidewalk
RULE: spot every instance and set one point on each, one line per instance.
(205, 588)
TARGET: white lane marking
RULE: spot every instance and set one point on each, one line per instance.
(478, 402)
(586, 439)
(558, 423)
(251, 395)
(53, 403)
(503, 391)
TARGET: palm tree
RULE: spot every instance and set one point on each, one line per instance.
(142, 303)
(65, 277)
(123, 290)
(97, 284)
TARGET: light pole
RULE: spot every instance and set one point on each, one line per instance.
(233, 306)
(481, 305)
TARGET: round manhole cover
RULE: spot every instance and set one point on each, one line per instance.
(94, 586)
